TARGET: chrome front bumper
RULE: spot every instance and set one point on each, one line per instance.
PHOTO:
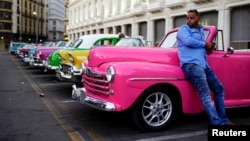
(26, 59)
(80, 94)
(50, 67)
(62, 76)
(73, 74)
(35, 64)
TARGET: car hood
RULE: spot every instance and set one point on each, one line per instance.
(80, 55)
(99, 56)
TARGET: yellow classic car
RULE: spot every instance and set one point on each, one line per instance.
(70, 63)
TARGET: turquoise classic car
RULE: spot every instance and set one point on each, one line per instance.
(14, 46)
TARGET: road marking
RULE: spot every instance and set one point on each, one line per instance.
(175, 136)
(69, 101)
(74, 135)
(93, 135)
(42, 75)
(56, 83)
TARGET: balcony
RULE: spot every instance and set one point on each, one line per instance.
(155, 6)
(173, 4)
(200, 1)
(139, 8)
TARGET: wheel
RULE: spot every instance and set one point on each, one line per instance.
(155, 109)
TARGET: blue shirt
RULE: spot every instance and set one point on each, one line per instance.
(191, 46)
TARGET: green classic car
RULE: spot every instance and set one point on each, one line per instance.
(53, 60)
(70, 60)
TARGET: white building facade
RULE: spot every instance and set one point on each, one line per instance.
(153, 18)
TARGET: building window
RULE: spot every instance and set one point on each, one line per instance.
(5, 5)
(159, 30)
(5, 26)
(143, 29)
(240, 35)
(207, 18)
(5, 15)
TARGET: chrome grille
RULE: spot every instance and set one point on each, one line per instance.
(65, 68)
(95, 83)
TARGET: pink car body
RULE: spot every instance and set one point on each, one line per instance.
(150, 82)
(41, 55)
(42, 52)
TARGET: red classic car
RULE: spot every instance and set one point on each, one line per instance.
(149, 81)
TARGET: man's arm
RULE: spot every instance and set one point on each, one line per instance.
(185, 37)
(209, 47)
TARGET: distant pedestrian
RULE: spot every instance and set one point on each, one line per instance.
(121, 35)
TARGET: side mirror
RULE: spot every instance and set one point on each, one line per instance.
(230, 50)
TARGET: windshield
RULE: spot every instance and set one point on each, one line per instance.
(171, 41)
(130, 42)
(77, 43)
(60, 44)
(69, 43)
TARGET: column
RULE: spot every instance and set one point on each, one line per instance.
(123, 30)
(105, 30)
(135, 31)
(114, 30)
(226, 29)
(169, 23)
(97, 31)
(150, 28)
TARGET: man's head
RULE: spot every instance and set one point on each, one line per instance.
(121, 35)
(193, 18)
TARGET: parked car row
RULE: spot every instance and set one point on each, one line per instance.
(114, 75)
(65, 58)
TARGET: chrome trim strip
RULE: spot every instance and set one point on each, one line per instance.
(157, 79)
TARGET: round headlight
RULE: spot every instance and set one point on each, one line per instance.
(110, 74)
(71, 59)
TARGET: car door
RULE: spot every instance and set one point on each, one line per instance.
(234, 72)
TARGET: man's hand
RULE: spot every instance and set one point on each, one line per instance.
(209, 47)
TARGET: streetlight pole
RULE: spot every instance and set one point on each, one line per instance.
(20, 24)
(37, 26)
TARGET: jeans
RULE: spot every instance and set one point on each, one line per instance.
(204, 79)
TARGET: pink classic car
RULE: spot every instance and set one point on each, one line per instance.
(149, 82)
(40, 55)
